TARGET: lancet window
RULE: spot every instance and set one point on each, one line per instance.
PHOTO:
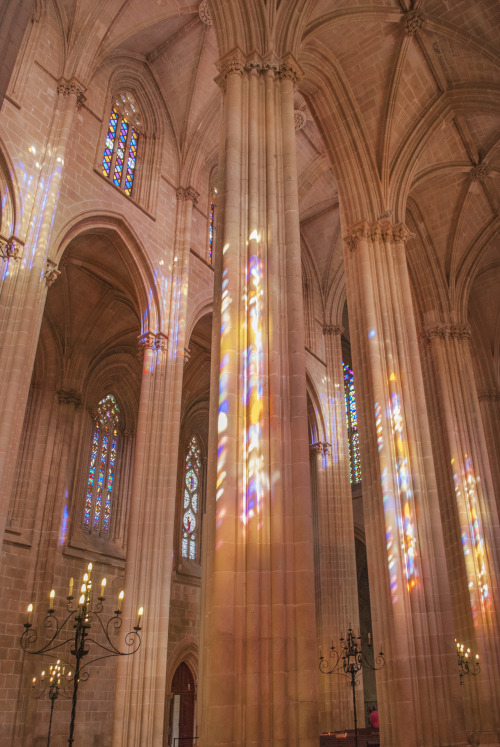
(119, 158)
(352, 425)
(101, 475)
(192, 499)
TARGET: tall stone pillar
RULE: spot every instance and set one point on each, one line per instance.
(27, 272)
(418, 689)
(259, 658)
(337, 602)
(471, 507)
(141, 681)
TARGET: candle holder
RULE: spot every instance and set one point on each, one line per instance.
(85, 618)
(349, 661)
(51, 685)
(466, 664)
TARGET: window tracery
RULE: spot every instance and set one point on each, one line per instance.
(191, 502)
(101, 474)
(352, 425)
(119, 158)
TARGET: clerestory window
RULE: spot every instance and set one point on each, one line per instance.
(101, 474)
(119, 159)
(191, 502)
(352, 425)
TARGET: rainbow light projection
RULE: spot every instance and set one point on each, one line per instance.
(351, 417)
(97, 512)
(223, 389)
(473, 543)
(403, 480)
(191, 490)
(252, 366)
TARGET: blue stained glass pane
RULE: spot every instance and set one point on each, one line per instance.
(110, 141)
(120, 152)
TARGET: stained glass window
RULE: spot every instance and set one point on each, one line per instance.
(120, 151)
(352, 425)
(97, 511)
(192, 476)
(211, 229)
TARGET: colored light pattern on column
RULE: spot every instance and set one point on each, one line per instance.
(223, 386)
(352, 425)
(110, 142)
(132, 157)
(97, 511)
(192, 469)
(211, 226)
(473, 542)
(254, 482)
(405, 492)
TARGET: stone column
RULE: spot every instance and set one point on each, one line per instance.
(141, 683)
(337, 602)
(418, 689)
(27, 272)
(472, 514)
(259, 659)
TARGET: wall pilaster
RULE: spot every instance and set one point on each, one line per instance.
(27, 273)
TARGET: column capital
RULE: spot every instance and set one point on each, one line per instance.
(290, 69)
(374, 232)
(233, 62)
(237, 62)
(333, 329)
(10, 248)
(320, 448)
(444, 331)
(151, 341)
(187, 193)
(72, 87)
(492, 395)
(51, 273)
(69, 397)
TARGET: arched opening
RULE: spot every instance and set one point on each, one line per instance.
(181, 726)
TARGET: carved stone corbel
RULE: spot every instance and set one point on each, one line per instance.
(10, 248)
(51, 273)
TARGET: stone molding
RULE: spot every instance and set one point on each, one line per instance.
(492, 395)
(151, 341)
(51, 273)
(413, 21)
(10, 248)
(204, 13)
(333, 329)
(69, 397)
(377, 232)
(187, 193)
(72, 87)
(447, 332)
(236, 62)
(320, 448)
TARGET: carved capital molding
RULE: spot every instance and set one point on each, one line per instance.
(69, 397)
(187, 355)
(376, 233)
(491, 395)
(236, 62)
(333, 329)
(72, 87)
(413, 21)
(447, 332)
(187, 193)
(51, 273)
(10, 248)
(204, 13)
(320, 448)
(151, 341)
(161, 342)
